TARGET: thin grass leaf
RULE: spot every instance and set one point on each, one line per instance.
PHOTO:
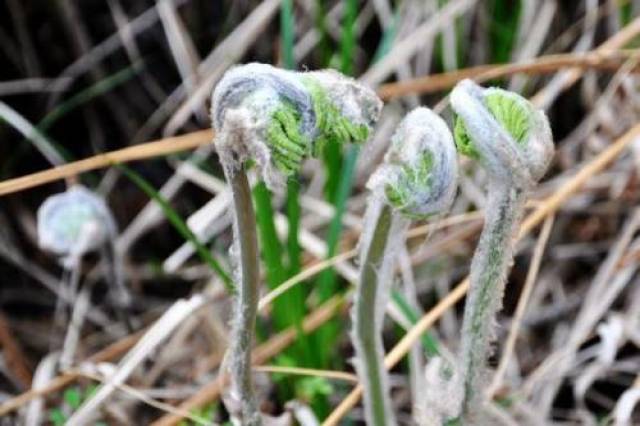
(293, 214)
(297, 297)
(503, 30)
(324, 45)
(625, 11)
(387, 39)
(428, 340)
(174, 218)
(327, 280)
(439, 48)
(289, 309)
(55, 152)
(287, 30)
(43, 144)
(348, 37)
(294, 252)
(271, 246)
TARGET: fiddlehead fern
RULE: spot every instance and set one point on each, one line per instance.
(274, 119)
(513, 143)
(417, 180)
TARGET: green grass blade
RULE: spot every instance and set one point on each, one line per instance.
(438, 54)
(625, 11)
(503, 30)
(287, 28)
(49, 149)
(287, 310)
(271, 247)
(290, 308)
(298, 297)
(428, 340)
(293, 214)
(38, 135)
(388, 38)
(294, 303)
(174, 218)
(326, 283)
(320, 23)
(332, 156)
(348, 37)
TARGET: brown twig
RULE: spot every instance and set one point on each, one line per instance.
(138, 152)
(14, 356)
(611, 60)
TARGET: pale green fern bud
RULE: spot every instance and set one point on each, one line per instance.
(277, 118)
(73, 223)
(346, 111)
(504, 131)
(274, 119)
(263, 114)
(416, 180)
(512, 141)
(419, 174)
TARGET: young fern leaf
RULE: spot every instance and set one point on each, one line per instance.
(73, 223)
(416, 181)
(274, 119)
(284, 116)
(76, 222)
(512, 141)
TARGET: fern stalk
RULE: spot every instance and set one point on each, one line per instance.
(489, 270)
(273, 119)
(512, 141)
(372, 293)
(417, 180)
(244, 225)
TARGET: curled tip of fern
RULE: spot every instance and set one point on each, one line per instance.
(277, 118)
(74, 222)
(263, 114)
(346, 111)
(419, 174)
(504, 131)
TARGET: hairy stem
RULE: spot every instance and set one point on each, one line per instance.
(491, 262)
(371, 296)
(244, 317)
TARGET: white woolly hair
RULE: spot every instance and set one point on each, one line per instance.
(248, 95)
(442, 396)
(420, 131)
(356, 101)
(243, 103)
(522, 163)
(74, 222)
